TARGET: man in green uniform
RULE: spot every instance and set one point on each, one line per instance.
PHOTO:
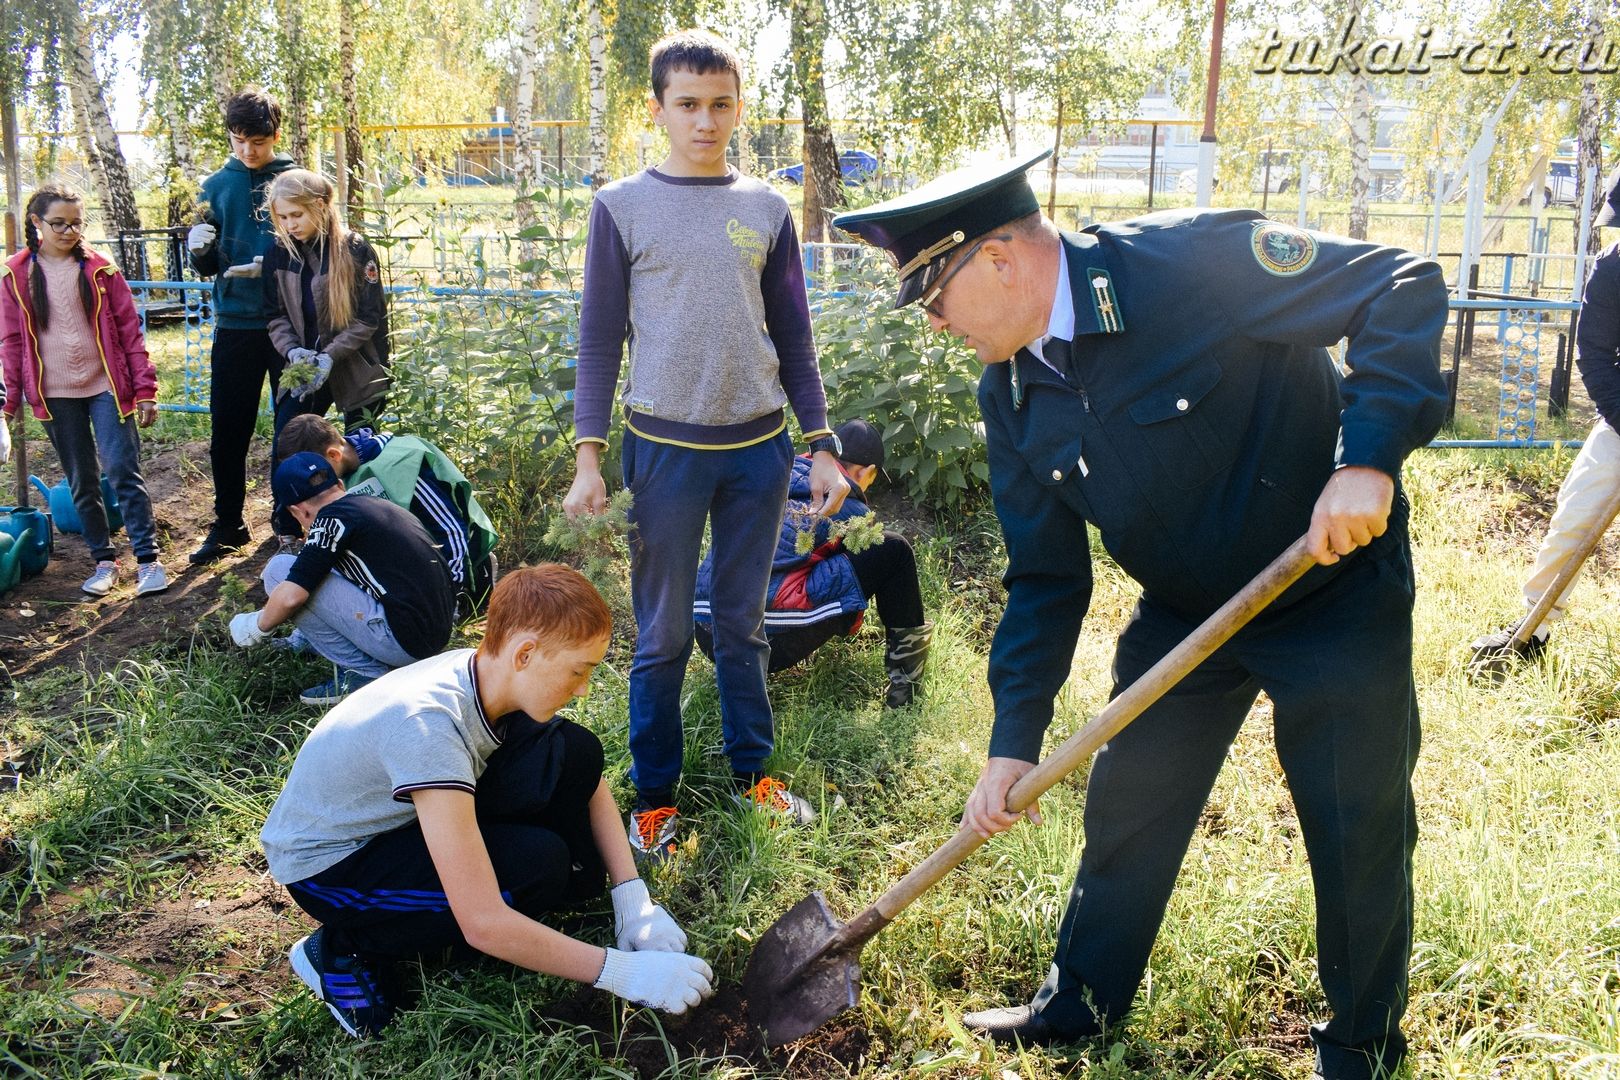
(1166, 380)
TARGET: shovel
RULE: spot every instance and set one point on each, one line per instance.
(806, 968)
(1566, 573)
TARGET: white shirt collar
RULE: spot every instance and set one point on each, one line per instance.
(1061, 323)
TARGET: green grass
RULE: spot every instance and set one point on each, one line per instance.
(169, 763)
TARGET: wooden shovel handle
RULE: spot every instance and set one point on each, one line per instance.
(1566, 572)
(1214, 632)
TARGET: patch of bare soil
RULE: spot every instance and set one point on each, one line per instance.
(221, 928)
(47, 623)
(720, 1029)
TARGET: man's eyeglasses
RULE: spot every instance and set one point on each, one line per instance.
(61, 228)
(934, 291)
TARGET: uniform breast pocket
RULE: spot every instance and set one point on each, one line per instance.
(1184, 427)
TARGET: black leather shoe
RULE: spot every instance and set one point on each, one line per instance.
(222, 540)
(1016, 1023)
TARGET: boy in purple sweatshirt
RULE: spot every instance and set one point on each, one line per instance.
(699, 268)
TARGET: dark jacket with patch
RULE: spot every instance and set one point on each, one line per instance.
(1197, 430)
(235, 207)
(359, 351)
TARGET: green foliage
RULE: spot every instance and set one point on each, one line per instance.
(855, 533)
(598, 542)
(919, 388)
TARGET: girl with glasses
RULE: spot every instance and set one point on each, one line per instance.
(71, 346)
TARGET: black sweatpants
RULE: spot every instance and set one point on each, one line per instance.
(386, 901)
(238, 365)
(1337, 666)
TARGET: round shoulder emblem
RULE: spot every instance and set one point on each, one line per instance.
(1281, 250)
(371, 272)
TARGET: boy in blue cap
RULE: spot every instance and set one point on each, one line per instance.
(1166, 380)
(368, 591)
(699, 268)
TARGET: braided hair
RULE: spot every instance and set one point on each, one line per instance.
(38, 204)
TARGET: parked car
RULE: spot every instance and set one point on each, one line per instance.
(1560, 187)
(858, 166)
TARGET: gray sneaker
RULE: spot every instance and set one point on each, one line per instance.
(150, 578)
(102, 581)
(773, 797)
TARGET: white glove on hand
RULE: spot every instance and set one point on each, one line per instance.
(5, 441)
(641, 925)
(247, 269)
(245, 630)
(673, 982)
(201, 237)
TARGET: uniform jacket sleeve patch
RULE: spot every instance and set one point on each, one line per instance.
(371, 272)
(1282, 250)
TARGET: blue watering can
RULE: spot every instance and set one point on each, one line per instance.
(13, 550)
(66, 516)
(28, 531)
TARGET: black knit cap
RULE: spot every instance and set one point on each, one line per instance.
(1609, 212)
(921, 228)
(863, 443)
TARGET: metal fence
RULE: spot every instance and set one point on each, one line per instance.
(1518, 350)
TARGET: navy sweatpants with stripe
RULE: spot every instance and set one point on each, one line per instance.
(386, 902)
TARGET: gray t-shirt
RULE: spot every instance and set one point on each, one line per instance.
(417, 727)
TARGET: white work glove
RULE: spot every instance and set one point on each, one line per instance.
(245, 630)
(247, 269)
(5, 441)
(641, 925)
(201, 237)
(673, 982)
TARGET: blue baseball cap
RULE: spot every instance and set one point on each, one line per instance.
(303, 476)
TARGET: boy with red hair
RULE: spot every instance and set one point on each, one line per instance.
(433, 810)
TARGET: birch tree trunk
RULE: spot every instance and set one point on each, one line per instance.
(823, 180)
(1589, 134)
(596, 37)
(1361, 130)
(354, 151)
(100, 141)
(297, 85)
(525, 146)
(221, 53)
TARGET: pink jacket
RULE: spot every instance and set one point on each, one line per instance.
(118, 337)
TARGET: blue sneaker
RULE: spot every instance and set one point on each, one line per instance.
(347, 984)
(335, 689)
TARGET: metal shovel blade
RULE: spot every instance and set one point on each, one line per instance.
(800, 974)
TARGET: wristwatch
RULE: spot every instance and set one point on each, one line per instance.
(830, 443)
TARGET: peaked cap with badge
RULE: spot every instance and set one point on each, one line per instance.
(921, 228)
(1194, 419)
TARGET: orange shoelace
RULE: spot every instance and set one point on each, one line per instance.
(770, 792)
(649, 823)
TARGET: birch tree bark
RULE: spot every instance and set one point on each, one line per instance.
(596, 39)
(525, 145)
(297, 114)
(1361, 131)
(1589, 132)
(353, 150)
(100, 141)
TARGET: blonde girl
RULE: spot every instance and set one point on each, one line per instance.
(327, 311)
